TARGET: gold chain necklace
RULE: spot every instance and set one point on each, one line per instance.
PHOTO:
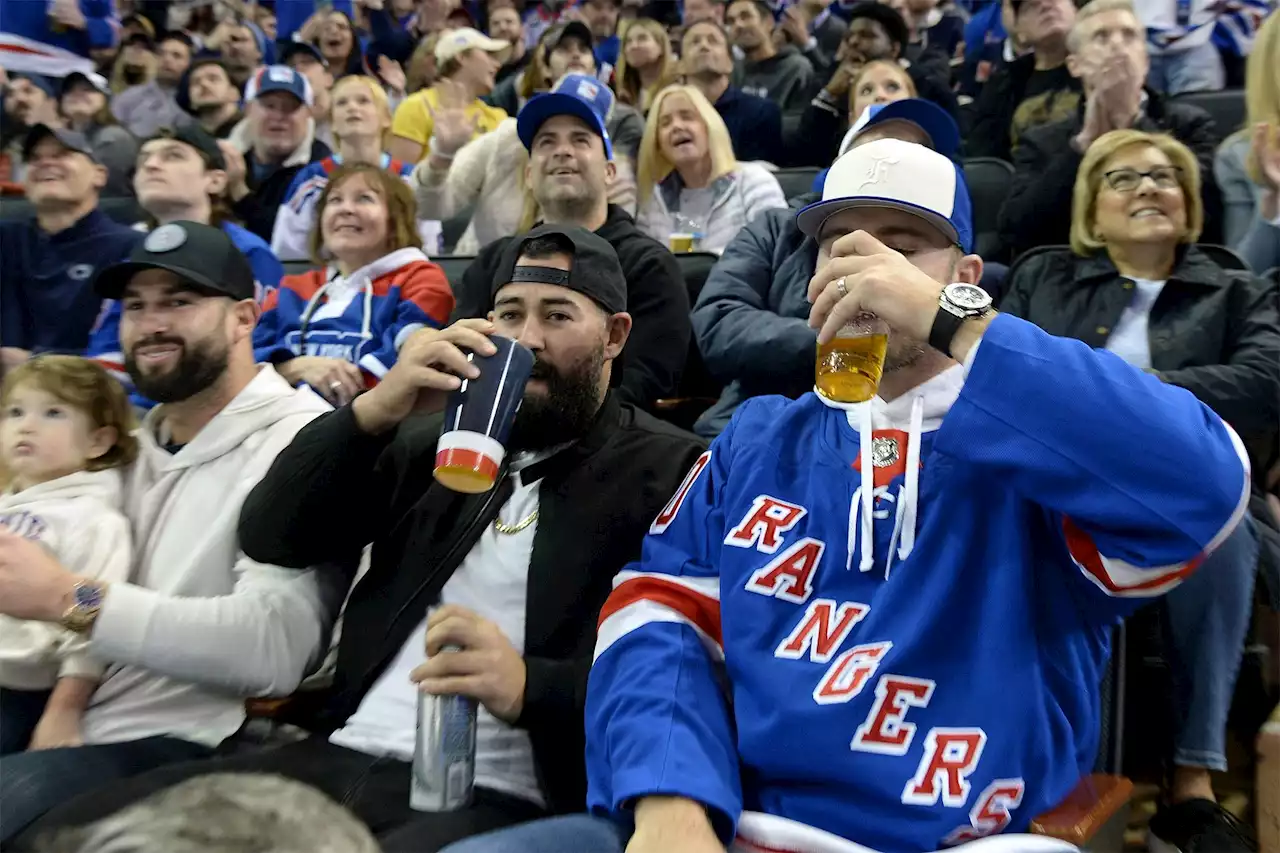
(513, 529)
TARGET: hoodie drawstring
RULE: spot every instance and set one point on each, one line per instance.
(866, 493)
(862, 507)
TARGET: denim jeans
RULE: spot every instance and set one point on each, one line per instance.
(20, 711)
(1207, 619)
(31, 783)
(580, 833)
(1196, 70)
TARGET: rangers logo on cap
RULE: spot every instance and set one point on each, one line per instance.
(588, 90)
(166, 238)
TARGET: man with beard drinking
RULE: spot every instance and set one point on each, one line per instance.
(201, 626)
(520, 572)
(569, 171)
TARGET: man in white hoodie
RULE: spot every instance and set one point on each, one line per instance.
(201, 626)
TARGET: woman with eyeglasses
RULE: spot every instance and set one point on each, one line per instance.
(1134, 282)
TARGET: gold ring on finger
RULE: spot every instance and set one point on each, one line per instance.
(841, 287)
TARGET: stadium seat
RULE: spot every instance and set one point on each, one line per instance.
(988, 179)
(454, 266)
(796, 181)
(453, 228)
(1227, 108)
(697, 389)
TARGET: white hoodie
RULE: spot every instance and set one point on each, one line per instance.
(202, 627)
(78, 519)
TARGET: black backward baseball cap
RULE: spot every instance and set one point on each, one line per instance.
(201, 255)
(195, 136)
(594, 272)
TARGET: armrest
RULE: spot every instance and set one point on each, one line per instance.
(1085, 810)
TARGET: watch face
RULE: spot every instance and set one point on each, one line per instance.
(968, 297)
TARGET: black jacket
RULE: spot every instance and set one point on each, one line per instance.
(1037, 211)
(657, 301)
(336, 489)
(258, 209)
(991, 131)
(1213, 331)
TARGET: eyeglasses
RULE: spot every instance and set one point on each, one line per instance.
(1128, 180)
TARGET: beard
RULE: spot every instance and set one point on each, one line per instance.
(902, 352)
(565, 412)
(199, 366)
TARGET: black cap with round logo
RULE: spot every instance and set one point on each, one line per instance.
(201, 255)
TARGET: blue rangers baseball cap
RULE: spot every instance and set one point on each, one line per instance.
(575, 95)
(901, 175)
(279, 78)
(933, 120)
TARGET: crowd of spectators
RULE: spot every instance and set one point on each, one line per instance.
(273, 227)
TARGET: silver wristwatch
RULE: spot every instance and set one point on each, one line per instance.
(957, 302)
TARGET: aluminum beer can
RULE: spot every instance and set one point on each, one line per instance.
(444, 754)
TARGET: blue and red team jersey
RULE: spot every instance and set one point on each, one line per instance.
(948, 690)
(291, 236)
(363, 318)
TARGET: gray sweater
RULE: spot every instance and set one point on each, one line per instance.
(786, 78)
(1244, 229)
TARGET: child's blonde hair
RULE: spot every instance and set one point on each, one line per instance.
(82, 385)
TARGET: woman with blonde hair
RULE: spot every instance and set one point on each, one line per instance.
(1133, 282)
(646, 65)
(880, 81)
(360, 116)
(338, 328)
(1247, 166)
(689, 184)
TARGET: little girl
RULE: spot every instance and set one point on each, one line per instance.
(65, 432)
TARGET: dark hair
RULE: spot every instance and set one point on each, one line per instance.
(894, 26)
(546, 246)
(220, 211)
(765, 10)
(176, 35)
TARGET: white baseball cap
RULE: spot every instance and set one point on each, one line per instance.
(466, 38)
(901, 175)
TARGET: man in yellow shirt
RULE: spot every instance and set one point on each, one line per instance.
(468, 62)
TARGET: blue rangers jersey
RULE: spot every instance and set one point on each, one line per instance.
(918, 668)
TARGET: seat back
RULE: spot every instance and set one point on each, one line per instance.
(796, 181)
(1227, 108)
(454, 266)
(697, 388)
(988, 179)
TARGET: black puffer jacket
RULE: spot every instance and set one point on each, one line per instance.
(1213, 331)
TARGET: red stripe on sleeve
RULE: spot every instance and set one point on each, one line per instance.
(701, 610)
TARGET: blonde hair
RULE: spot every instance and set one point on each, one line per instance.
(630, 90)
(877, 63)
(1089, 10)
(1262, 89)
(653, 167)
(88, 388)
(375, 91)
(1090, 175)
(402, 209)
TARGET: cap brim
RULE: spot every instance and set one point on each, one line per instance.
(44, 131)
(111, 282)
(810, 218)
(544, 106)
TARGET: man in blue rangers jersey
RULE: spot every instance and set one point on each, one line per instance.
(883, 624)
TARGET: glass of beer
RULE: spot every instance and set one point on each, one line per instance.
(850, 364)
(685, 236)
